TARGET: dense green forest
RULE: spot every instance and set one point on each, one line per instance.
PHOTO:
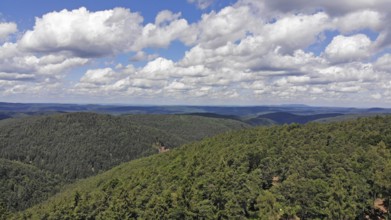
(77, 145)
(312, 171)
(42, 153)
(23, 185)
(188, 127)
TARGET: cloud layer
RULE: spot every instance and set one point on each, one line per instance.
(252, 52)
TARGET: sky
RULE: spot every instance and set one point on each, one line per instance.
(196, 52)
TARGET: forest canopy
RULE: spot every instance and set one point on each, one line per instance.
(312, 171)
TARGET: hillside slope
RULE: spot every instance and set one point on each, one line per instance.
(23, 185)
(77, 145)
(313, 171)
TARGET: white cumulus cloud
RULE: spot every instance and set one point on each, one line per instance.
(270, 51)
(167, 28)
(84, 33)
(345, 49)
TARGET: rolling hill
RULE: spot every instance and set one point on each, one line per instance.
(288, 118)
(312, 171)
(310, 113)
(77, 145)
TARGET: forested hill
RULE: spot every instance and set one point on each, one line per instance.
(188, 127)
(77, 145)
(312, 171)
(43, 153)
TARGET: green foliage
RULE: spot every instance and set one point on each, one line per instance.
(4, 212)
(23, 185)
(313, 171)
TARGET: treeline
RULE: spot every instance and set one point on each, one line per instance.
(313, 171)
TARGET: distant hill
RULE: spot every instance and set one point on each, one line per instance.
(214, 115)
(288, 118)
(275, 117)
(233, 112)
(312, 171)
(4, 116)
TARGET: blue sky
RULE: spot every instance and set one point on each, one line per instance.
(24, 11)
(328, 53)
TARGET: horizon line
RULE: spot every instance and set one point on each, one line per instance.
(298, 105)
